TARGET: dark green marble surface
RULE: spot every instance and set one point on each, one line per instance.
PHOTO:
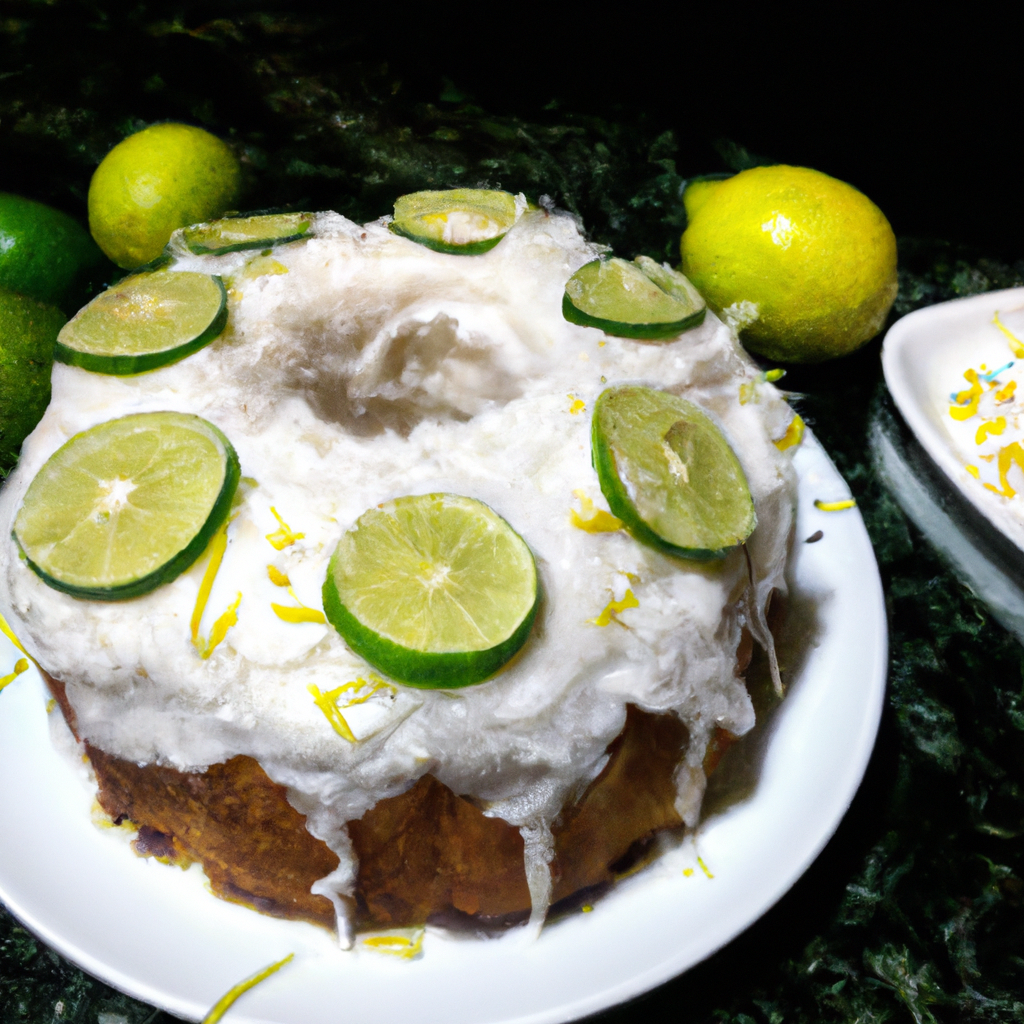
(915, 910)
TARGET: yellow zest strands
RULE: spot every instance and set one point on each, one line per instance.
(1005, 394)
(328, 702)
(578, 405)
(967, 400)
(230, 618)
(687, 872)
(773, 375)
(704, 867)
(50, 704)
(407, 947)
(284, 535)
(973, 470)
(278, 578)
(748, 391)
(227, 1000)
(21, 665)
(301, 613)
(1008, 455)
(612, 609)
(834, 506)
(1014, 342)
(793, 436)
(996, 426)
(596, 521)
(9, 633)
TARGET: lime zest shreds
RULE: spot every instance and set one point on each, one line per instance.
(592, 520)
(965, 403)
(127, 505)
(989, 428)
(233, 234)
(218, 545)
(1016, 347)
(229, 998)
(973, 470)
(641, 300)
(278, 578)
(459, 221)
(9, 633)
(21, 665)
(328, 702)
(667, 471)
(835, 506)
(577, 405)
(144, 322)
(613, 608)
(284, 536)
(1008, 455)
(405, 946)
(298, 612)
(794, 434)
(433, 590)
(771, 376)
(221, 626)
(705, 868)
(1006, 394)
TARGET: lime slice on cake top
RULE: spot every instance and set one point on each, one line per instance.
(461, 221)
(127, 505)
(642, 299)
(434, 590)
(144, 322)
(234, 234)
(669, 474)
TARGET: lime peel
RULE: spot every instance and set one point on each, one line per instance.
(229, 998)
(284, 536)
(613, 608)
(236, 234)
(21, 665)
(461, 221)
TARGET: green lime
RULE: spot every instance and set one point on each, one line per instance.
(44, 253)
(154, 182)
(145, 321)
(464, 221)
(28, 330)
(641, 299)
(434, 590)
(127, 505)
(802, 264)
(669, 474)
(233, 234)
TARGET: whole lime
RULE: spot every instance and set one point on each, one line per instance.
(802, 264)
(44, 253)
(158, 180)
(28, 330)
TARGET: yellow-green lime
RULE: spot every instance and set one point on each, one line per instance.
(803, 264)
(641, 299)
(154, 182)
(234, 234)
(44, 253)
(127, 505)
(28, 330)
(434, 590)
(669, 474)
(462, 221)
(145, 321)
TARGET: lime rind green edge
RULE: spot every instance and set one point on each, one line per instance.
(126, 366)
(639, 332)
(173, 568)
(425, 670)
(259, 243)
(470, 249)
(622, 508)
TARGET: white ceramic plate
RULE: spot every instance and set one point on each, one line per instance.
(154, 932)
(924, 358)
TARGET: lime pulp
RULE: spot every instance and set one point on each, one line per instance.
(144, 322)
(234, 234)
(127, 505)
(434, 590)
(462, 221)
(669, 474)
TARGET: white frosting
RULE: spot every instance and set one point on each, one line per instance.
(375, 368)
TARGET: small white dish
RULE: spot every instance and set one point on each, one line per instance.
(924, 358)
(154, 932)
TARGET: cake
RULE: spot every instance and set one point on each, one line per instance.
(237, 728)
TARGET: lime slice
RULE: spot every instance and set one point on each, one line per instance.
(669, 474)
(145, 321)
(233, 234)
(434, 590)
(464, 221)
(127, 505)
(641, 299)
